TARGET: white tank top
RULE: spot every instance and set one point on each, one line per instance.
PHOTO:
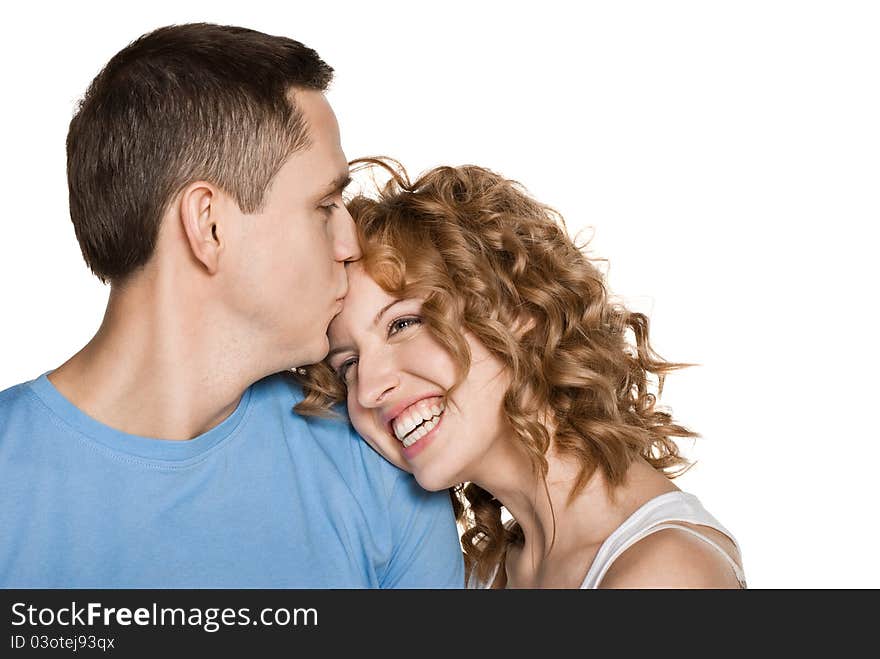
(666, 511)
(663, 512)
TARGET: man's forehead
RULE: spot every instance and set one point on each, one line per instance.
(316, 110)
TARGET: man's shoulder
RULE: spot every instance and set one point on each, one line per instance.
(280, 393)
(332, 434)
(16, 396)
(20, 410)
(279, 385)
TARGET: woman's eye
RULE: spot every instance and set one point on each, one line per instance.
(329, 208)
(401, 324)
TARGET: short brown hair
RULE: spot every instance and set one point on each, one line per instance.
(179, 104)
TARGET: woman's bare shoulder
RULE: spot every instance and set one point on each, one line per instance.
(671, 558)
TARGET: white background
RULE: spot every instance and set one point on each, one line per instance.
(725, 156)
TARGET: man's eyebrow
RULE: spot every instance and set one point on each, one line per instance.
(337, 185)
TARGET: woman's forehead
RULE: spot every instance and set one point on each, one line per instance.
(363, 303)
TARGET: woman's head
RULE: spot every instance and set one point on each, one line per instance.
(488, 307)
(403, 386)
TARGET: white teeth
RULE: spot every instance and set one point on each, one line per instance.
(425, 428)
(409, 422)
(413, 438)
(405, 424)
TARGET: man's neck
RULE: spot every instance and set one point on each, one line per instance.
(161, 365)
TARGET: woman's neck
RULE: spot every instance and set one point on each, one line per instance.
(562, 535)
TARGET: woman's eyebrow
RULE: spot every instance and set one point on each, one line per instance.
(384, 309)
(335, 352)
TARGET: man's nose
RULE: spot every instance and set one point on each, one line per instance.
(345, 242)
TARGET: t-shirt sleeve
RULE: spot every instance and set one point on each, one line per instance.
(426, 547)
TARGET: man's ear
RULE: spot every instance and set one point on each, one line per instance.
(200, 220)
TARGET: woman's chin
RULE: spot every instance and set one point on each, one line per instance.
(431, 482)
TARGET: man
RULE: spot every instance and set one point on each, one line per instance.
(205, 175)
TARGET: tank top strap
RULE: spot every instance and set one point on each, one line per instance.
(659, 513)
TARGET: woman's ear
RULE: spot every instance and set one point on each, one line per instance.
(200, 220)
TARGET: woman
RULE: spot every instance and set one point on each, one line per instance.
(478, 349)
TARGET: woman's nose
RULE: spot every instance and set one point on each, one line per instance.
(376, 380)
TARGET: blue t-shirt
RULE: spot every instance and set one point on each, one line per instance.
(266, 499)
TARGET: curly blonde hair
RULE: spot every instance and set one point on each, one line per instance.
(487, 259)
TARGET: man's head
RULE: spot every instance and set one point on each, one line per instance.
(226, 130)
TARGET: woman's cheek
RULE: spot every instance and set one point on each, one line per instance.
(389, 449)
(365, 425)
(361, 419)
